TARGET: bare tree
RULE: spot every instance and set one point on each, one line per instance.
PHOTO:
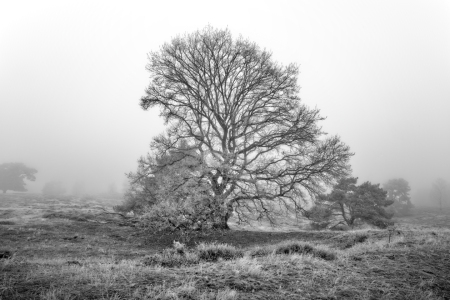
(240, 116)
(440, 191)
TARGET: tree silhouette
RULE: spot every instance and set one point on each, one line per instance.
(440, 191)
(13, 175)
(351, 202)
(398, 191)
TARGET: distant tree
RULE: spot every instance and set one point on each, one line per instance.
(54, 189)
(440, 191)
(13, 175)
(351, 202)
(398, 191)
(256, 146)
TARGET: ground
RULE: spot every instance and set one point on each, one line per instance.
(76, 248)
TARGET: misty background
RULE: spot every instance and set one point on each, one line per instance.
(72, 74)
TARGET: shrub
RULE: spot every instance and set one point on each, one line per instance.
(131, 204)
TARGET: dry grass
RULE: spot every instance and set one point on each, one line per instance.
(70, 258)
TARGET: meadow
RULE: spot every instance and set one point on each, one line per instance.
(78, 248)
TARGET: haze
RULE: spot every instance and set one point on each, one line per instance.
(72, 74)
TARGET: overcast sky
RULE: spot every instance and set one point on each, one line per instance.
(72, 74)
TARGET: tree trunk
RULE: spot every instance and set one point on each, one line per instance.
(221, 222)
(221, 225)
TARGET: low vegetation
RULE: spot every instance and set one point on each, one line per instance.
(100, 256)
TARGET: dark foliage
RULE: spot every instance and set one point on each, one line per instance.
(350, 203)
(398, 191)
(13, 175)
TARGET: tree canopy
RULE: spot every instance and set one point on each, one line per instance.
(440, 191)
(398, 191)
(13, 176)
(235, 116)
(350, 202)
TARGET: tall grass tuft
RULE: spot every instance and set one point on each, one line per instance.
(294, 247)
(213, 252)
(170, 257)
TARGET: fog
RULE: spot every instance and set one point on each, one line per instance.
(72, 74)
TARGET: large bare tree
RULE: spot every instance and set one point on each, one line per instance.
(238, 113)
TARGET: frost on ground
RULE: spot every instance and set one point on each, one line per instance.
(72, 248)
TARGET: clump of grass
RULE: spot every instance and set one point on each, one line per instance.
(73, 216)
(171, 258)
(246, 266)
(179, 255)
(7, 223)
(187, 290)
(294, 247)
(356, 239)
(260, 251)
(214, 251)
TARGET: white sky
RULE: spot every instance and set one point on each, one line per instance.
(72, 74)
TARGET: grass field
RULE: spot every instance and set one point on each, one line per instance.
(74, 248)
